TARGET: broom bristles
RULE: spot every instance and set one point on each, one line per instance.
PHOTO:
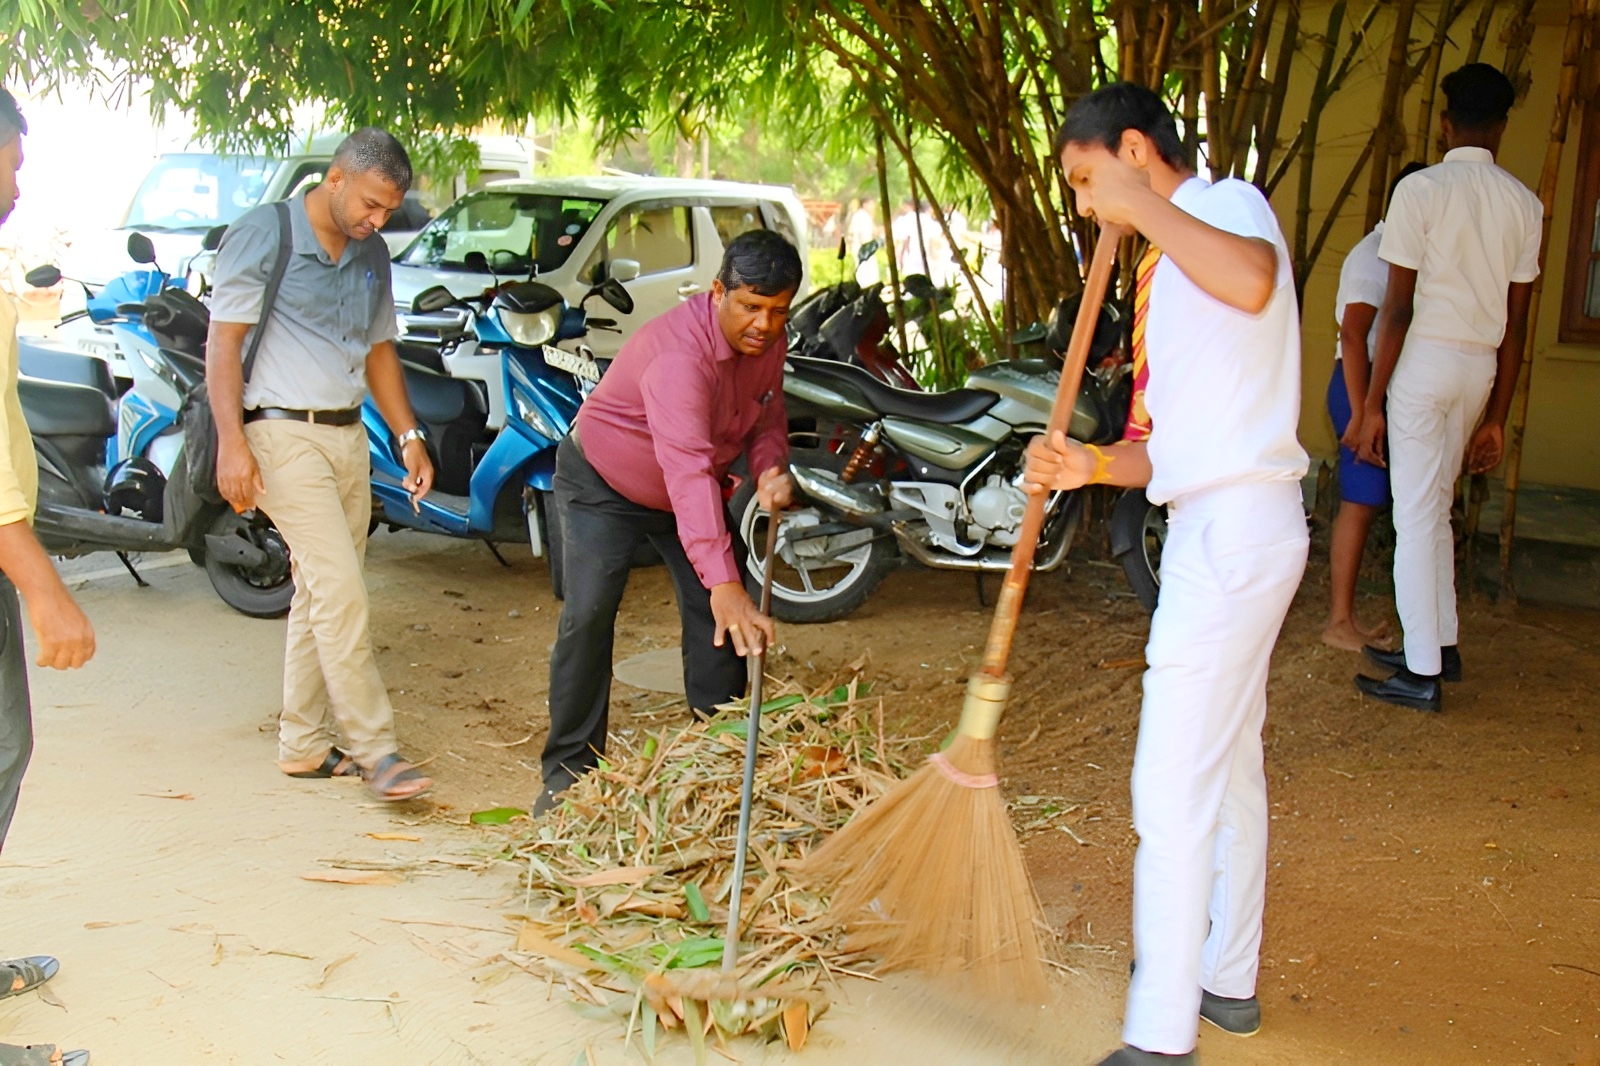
(931, 877)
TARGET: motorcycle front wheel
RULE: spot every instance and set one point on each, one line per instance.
(820, 579)
(260, 592)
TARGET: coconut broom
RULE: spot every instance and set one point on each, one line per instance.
(931, 875)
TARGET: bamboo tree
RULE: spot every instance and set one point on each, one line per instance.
(1388, 111)
(1579, 37)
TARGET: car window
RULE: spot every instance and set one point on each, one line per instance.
(305, 176)
(734, 219)
(528, 230)
(778, 218)
(659, 237)
(194, 191)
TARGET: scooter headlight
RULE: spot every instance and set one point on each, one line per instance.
(531, 330)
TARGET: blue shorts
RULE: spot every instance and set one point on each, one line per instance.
(1359, 482)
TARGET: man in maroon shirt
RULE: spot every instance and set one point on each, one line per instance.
(686, 396)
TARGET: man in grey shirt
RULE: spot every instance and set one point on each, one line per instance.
(290, 440)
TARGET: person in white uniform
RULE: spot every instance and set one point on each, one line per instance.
(1222, 341)
(1462, 244)
(1363, 487)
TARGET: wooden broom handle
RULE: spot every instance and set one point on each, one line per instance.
(1009, 607)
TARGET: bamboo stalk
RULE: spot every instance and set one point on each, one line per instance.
(888, 236)
(1267, 135)
(1308, 139)
(1579, 32)
(1441, 31)
(1480, 30)
(1393, 85)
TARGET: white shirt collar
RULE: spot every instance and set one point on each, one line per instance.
(1190, 188)
(1469, 155)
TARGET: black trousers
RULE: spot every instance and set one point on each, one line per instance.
(600, 529)
(16, 716)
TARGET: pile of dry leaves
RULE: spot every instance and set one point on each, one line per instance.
(628, 880)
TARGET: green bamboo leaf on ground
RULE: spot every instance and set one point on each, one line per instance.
(737, 727)
(697, 902)
(781, 703)
(497, 815)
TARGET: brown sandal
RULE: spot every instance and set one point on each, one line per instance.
(391, 771)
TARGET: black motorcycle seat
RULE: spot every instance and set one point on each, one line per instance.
(945, 408)
(426, 356)
(439, 400)
(56, 409)
(71, 368)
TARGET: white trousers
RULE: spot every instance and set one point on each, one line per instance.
(1232, 561)
(1436, 397)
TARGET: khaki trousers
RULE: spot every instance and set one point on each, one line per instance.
(319, 495)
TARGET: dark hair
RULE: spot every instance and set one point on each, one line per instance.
(370, 149)
(1477, 96)
(1405, 172)
(1102, 117)
(12, 123)
(760, 260)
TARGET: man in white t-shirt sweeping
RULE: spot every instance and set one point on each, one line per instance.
(1216, 320)
(1462, 243)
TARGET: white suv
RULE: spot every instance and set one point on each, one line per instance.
(661, 237)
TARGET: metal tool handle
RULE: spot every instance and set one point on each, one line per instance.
(758, 666)
(997, 651)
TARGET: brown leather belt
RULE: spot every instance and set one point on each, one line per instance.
(347, 417)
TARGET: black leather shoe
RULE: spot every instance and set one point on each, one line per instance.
(1449, 660)
(1404, 689)
(1241, 1017)
(1132, 1056)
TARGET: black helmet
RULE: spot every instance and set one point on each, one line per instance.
(1109, 332)
(136, 485)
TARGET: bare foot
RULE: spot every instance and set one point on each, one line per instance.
(1344, 636)
(1378, 634)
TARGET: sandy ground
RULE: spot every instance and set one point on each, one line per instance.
(1433, 898)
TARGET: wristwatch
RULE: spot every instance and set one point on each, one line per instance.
(414, 433)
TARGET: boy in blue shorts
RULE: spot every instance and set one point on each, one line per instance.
(1363, 487)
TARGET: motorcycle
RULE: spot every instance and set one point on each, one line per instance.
(493, 486)
(884, 475)
(93, 328)
(102, 482)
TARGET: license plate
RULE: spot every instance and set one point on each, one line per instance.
(577, 365)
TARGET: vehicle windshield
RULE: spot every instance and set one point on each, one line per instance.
(509, 232)
(198, 190)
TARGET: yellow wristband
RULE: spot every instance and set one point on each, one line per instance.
(1102, 465)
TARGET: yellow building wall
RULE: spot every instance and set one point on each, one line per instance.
(1563, 438)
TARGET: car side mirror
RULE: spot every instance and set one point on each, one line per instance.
(430, 300)
(612, 292)
(140, 248)
(43, 277)
(213, 238)
(622, 270)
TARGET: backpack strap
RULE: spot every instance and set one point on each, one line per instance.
(279, 267)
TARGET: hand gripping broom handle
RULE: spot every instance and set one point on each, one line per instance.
(758, 666)
(987, 691)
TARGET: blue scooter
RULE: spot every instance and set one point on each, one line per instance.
(95, 496)
(493, 486)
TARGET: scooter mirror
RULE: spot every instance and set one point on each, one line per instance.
(919, 286)
(843, 251)
(432, 299)
(868, 250)
(503, 261)
(213, 238)
(622, 270)
(43, 277)
(612, 292)
(140, 249)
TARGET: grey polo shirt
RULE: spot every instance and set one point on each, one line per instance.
(325, 320)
